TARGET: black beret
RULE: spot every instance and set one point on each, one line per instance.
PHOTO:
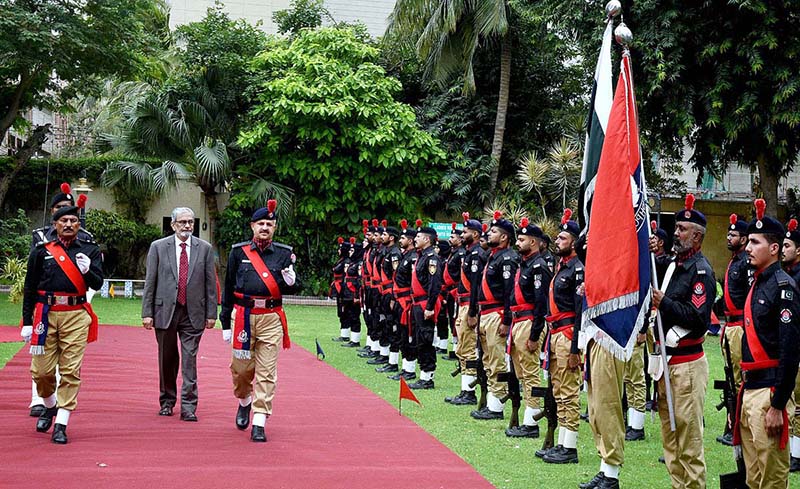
(568, 225)
(527, 228)
(690, 214)
(764, 224)
(792, 232)
(503, 225)
(444, 247)
(738, 225)
(473, 224)
(64, 194)
(72, 210)
(269, 212)
(393, 231)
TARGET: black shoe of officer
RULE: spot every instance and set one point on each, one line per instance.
(523, 431)
(389, 367)
(486, 413)
(450, 399)
(421, 384)
(585, 417)
(794, 465)
(465, 399)
(726, 439)
(632, 434)
(243, 417)
(350, 344)
(59, 434)
(379, 360)
(370, 354)
(340, 339)
(649, 406)
(544, 451)
(662, 460)
(45, 421)
(608, 483)
(562, 456)
(257, 434)
(594, 483)
(403, 374)
(37, 410)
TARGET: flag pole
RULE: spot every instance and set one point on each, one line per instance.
(662, 350)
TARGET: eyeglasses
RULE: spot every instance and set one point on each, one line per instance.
(61, 206)
(185, 223)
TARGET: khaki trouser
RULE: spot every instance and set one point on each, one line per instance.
(466, 348)
(634, 379)
(767, 465)
(526, 363)
(796, 419)
(605, 403)
(733, 335)
(566, 383)
(67, 333)
(266, 336)
(494, 352)
(683, 449)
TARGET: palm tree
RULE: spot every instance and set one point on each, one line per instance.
(449, 32)
(553, 178)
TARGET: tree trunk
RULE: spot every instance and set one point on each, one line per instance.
(213, 214)
(14, 104)
(768, 180)
(22, 157)
(502, 111)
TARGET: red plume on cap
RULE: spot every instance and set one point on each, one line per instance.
(419, 223)
(734, 218)
(485, 227)
(65, 189)
(82, 198)
(689, 202)
(375, 222)
(654, 226)
(453, 226)
(566, 216)
(340, 240)
(524, 222)
(365, 223)
(465, 215)
(792, 226)
(761, 208)
(498, 215)
(404, 224)
(352, 240)
(384, 223)
(272, 204)
(366, 230)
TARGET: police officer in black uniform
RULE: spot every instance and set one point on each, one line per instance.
(547, 255)
(442, 325)
(791, 265)
(378, 316)
(351, 293)
(335, 290)
(451, 277)
(426, 286)
(770, 355)
(402, 339)
(390, 262)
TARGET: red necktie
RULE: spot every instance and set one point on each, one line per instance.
(183, 275)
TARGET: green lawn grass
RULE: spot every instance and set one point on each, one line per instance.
(507, 463)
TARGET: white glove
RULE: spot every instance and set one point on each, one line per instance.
(83, 262)
(289, 275)
(227, 335)
(26, 333)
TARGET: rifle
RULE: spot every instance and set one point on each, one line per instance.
(514, 394)
(480, 377)
(550, 411)
(457, 371)
(738, 479)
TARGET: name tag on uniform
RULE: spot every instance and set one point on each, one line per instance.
(48, 257)
(246, 261)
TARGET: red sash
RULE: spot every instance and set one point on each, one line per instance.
(556, 314)
(730, 308)
(272, 286)
(420, 295)
(74, 275)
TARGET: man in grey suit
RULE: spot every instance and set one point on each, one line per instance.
(175, 265)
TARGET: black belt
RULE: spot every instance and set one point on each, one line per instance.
(735, 317)
(761, 377)
(684, 350)
(258, 303)
(563, 322)
(62, 300)
(527, 313)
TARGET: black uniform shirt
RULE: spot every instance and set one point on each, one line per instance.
(776, 313)
(45, 274)
(499, 274)
(534, 278)
(471, 269)
(241, 276)
(338, 276)
(453, 265)
(402, 278)
(739, 277)
(689, 296)
(391, 261)
(351, 278)
(42, 235)
(429, 273)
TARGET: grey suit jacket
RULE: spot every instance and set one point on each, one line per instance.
(161, 283)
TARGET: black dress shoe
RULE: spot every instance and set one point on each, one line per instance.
(165, 411)
(421, 384)
(592, 484)
(370, 354)
(257, 434)
(562, 456)
(350, 344)
(608, 483)
(188, 417)
(403, 374)
(243, 417)
(365, 349)
(585, 417)
(662, 459)
(794, 465)
(466, 398)
(544, 451)
(632, 434)
(37, 410)
(45, 421)
(726, 439)
(379, 360)
(486, 413)
(523, 431)
(649, 406)
(59, 434)
(389, 367)
(450, 399)
(340, 339)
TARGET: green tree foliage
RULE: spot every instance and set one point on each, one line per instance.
(326, 124)
(301, 14)
(124, 242)
(15, 237)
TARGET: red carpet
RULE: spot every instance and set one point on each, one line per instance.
(326, 430)
(9, 334)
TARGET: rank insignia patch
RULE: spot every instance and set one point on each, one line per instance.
(432, 267)
(786, 316)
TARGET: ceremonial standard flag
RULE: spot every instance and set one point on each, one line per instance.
(320, 353)
(406, 393)
(111, 292)
(617, 259)
(599, 109)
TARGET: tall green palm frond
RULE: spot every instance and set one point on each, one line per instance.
(212, 164)
(166, 175)
(565, 169)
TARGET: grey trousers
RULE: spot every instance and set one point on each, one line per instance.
(168, 361)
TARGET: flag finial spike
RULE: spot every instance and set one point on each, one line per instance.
(613, 8)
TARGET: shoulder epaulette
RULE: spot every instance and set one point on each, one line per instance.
(41, 244)
(237, 245)
(783, 278)
(281, 245)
